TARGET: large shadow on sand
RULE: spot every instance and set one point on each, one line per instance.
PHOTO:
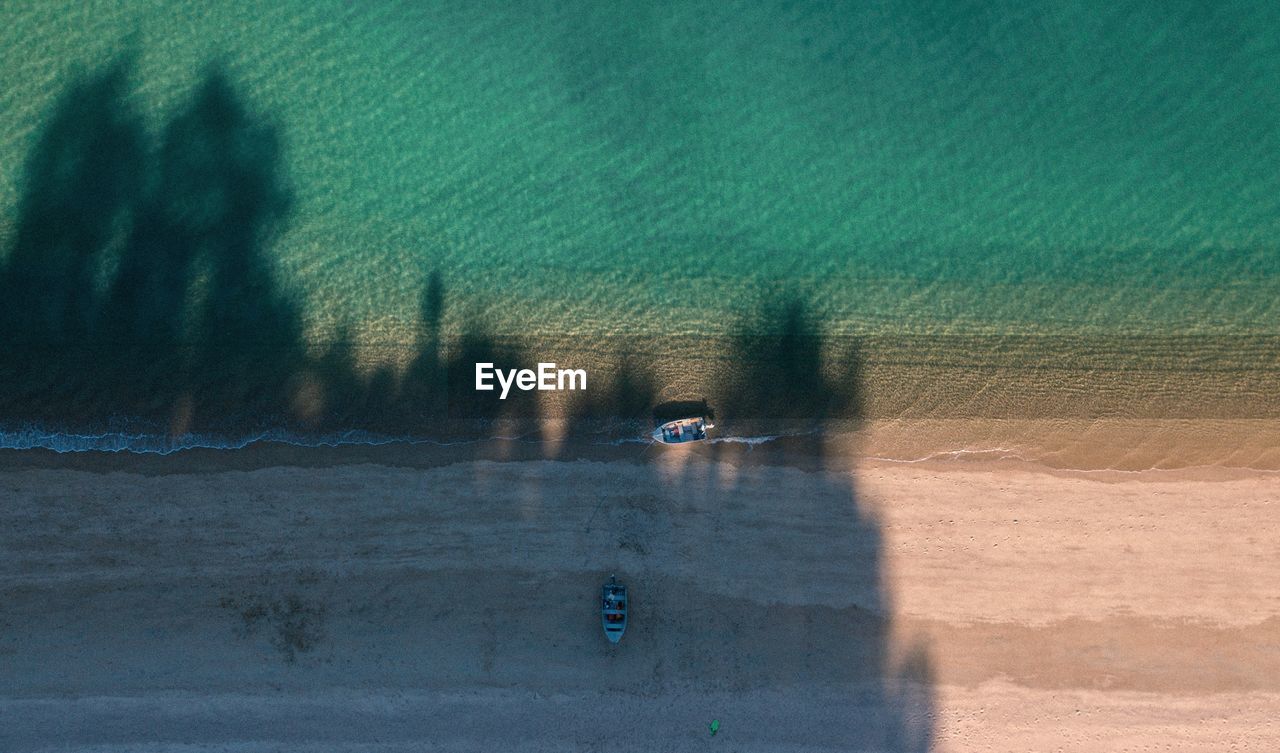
(752, 569)
(752, 574)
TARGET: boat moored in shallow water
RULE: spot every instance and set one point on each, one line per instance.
(683, 430)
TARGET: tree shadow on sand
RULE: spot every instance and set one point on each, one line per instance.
(751, 574)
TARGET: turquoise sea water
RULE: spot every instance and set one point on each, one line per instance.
(603, 169)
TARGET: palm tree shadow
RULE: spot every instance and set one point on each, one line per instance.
(82, 184)
(80, 188)
(232, 199)
(139, 281)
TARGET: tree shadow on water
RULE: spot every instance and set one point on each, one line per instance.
(139, 281)
(140, 288)
(230, 199)
(782, 365)
(82, 186)
(433, 394)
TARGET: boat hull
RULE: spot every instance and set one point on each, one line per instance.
(613, 610)
(683, 430)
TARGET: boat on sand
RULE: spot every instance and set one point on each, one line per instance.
(613, 609)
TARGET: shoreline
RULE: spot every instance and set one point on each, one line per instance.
(1108, 450)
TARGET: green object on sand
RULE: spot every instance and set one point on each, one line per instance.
(715, 727)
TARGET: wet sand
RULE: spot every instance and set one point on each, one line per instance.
(357, 600)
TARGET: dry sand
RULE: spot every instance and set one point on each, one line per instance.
(348, 601)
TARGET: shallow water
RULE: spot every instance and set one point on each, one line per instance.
(1102, 182)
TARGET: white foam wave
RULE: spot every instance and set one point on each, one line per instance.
(143, 443)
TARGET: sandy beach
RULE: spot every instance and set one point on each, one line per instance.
(225, 603)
